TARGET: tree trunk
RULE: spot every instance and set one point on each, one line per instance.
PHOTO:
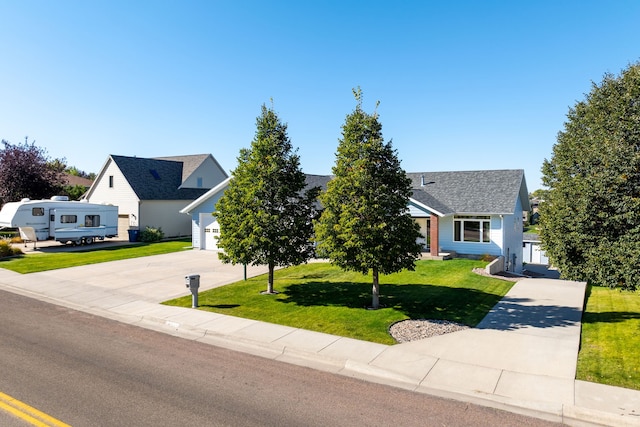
(270, 284)
(375, 300)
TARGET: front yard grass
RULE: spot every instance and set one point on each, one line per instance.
(32, 263)
(323, 298)
(610, 346)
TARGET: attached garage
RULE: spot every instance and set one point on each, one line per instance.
(204, 228)
(210, 230)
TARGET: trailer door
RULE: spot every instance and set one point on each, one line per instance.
(52, 222)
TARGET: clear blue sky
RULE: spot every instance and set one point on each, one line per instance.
(462, 85)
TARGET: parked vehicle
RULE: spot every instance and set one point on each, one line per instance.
(61, 220)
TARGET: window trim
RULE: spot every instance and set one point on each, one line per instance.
(483, 229)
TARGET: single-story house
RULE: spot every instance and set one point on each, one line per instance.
(469, 213)
(150, 192)
(472, 213)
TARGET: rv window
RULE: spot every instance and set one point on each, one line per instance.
(92, 220)
(37, 211)
(68, 219)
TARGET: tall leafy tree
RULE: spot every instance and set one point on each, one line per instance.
(365, 225)
(265, 215)
(590, 220)
(26, 171)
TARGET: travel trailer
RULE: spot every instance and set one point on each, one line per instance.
(61, 220)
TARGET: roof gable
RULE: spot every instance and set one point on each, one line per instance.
(156, 179)
(191, 163)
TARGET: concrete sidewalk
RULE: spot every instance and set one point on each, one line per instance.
(521, 357)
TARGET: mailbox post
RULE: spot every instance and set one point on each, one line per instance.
(192, 282)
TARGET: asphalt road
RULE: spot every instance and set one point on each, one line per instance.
(89, 371)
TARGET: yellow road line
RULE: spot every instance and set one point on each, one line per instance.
(28, 413)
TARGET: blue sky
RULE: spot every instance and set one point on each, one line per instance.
(462, 85)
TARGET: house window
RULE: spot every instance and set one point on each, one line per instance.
(37, 211)
(110, 181)
(472, 229)
(199, 184)
(92, 220)
(68, 219)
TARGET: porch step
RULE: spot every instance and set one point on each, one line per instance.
(442, 256)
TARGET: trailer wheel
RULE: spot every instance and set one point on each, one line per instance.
(88, 240)
(77, 242)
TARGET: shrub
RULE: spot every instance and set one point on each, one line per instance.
(6, 250)
(151, 234)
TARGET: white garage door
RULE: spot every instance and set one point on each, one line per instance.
(209, 230)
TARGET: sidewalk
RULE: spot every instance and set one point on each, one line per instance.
(521, 357)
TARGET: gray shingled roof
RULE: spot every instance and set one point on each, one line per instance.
(470, 192)
(467, 192)
(156, 179)
(317, 181)
(189, 163)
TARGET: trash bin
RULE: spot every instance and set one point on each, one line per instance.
(133, 235)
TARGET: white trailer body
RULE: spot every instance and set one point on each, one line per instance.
(61, 220)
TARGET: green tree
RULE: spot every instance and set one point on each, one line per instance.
(265, 214)
(590, 221)
(365, 225)
(26, 171)
(74, 192)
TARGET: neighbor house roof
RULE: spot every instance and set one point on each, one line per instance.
(470, 192)
(190, 163)
(158, 179)
(77, 180)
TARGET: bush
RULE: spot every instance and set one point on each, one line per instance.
(487, 257)
(151, 234)
(6, 250)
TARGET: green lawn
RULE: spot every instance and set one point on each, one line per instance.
(32, 263)
(610, 347)
(535, 229)
(323, 298)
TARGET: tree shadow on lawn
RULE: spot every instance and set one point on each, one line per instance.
(610, 317)
(416, 301)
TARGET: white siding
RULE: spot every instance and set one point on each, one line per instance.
(210, 172)
(120, 195)
(512, 226)
(195, 234)
(417, 212)
(205, 209)
(165, 214)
